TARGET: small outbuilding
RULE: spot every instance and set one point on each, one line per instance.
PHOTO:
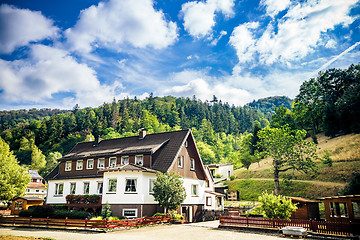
(232, 195)
(306, 208)
(342, 208)
(23, 203)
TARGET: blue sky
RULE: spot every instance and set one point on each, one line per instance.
(56, 54)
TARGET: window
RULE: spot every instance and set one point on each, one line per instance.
(208, 201)
(37, 190)
(101, 163)
(124, 160)
(72, 188)
(356, 208)
(130, 213)
(112, 185)
(151, 185)
(139, 160)
(130, 186)
(186, 144)
(99, 187)
(194, 190)
(192, 164)
(86, 187)
(59, 189)
(181, 161)
(79, 165)
(90, 164)
(338, 209)
(68, 166)
(112, 162)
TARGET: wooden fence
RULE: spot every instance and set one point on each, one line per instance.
(103, 225)
(322, 227)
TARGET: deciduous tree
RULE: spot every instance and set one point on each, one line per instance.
(288, 150)
(13, 177)
(169, 191)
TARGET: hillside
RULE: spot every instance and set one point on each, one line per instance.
(329, 180)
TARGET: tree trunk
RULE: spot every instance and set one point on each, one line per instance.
(276, 179)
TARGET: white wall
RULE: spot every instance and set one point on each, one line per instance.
(52, 199)
(190, 199)
(142, 195)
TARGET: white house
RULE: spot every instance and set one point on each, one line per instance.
(35, 187)
(121, 172)
(224, 170)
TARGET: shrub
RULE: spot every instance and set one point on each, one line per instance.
(26, 213)
(160, 214)
(232, 177)
(276, 206)
(106, 213)
(175, 216)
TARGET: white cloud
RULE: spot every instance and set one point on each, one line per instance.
(243, 40)
(330, 44)
(200, 84)
(19, 27)
(273, 7)
(199, 17)
(49, 71)
(118, 23)
(299, 32)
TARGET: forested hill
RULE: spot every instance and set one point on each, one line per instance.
(216, 126)
(267, 105)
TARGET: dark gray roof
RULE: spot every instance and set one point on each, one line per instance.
(128, 167)
(29, 198)
(34, 174)
(165, 146)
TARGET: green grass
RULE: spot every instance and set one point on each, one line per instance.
(250, 190)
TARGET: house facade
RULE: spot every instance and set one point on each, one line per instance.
(35, 187)
(223, 170)
(121, 172)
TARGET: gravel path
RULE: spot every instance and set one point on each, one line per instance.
(208, 231)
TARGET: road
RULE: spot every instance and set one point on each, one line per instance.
(208, 231)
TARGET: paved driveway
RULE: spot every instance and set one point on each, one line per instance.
(197, 231)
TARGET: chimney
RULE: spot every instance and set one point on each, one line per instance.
(142, 134)
(97, 141)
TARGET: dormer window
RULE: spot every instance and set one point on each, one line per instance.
(139, 160)
(90, 164)
(124, 160)
(68, 166)
(112, 162)
(101, 163)
(181, 161)
(79, 165)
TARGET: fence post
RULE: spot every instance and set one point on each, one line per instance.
(247, 221)
(66, 221)
(30, 221)
(14, 220)
(47, 222)
(86, 222)
(311, 225)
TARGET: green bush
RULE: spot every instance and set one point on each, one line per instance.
(26, 213)
(175, 216)
(232, 177)
(48, 211)
(160, 214)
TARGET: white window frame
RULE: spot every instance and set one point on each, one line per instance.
(90, 164)
(137, 160)
(192, 164)
(132, 209)
(98, 163)
(180, 161)
(126, 180)
(84, 188)
(186, 144)
(68, 166)
(110, 160)
(112, 179)
(123, 158)
(79, 165)
(196, 188)
(57, 189)
(98, 188)
(72, 184)
(151, 184)
(208, 201)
